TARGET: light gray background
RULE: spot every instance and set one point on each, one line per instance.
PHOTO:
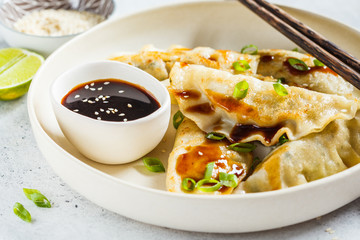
(74, 217)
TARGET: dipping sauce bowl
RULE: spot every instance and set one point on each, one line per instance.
(111, 142)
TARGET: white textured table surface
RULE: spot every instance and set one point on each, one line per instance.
(74, 217)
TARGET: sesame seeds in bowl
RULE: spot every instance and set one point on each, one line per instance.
(111, 112)
(43, 25)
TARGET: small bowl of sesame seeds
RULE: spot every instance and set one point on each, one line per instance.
(43, 25)
(112, 112)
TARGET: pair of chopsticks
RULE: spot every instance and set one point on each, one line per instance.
(325, 51)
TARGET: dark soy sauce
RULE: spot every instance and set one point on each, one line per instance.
(111, 100)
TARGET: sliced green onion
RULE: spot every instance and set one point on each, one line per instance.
(37, 197)
(298, 64)
(295, 49)
(177, 119)
(242, 147)
(208, 185)
(215, 136)
(21, 212)
(240, 90)
(241, 65)
(283, 139)
(209, 169)
(255, 162)
(318, 63)
(188, 184)
(153, 164)
(228, 180)
(281, 80)
(280, 89)
(249, 49)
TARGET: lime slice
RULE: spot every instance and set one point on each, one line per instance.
(17, 68)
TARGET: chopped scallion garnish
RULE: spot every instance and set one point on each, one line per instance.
(298, 64)
(228, 180)
(209, 170)
(153, 164)
(318, 63)
(295, 49)
(37, 197)
(177, 119)
(240, 90)
(283, 139)
(208, 185)
(21, 212)
(250, 49)
(241, 65)
(215, 136)
(280, 89)
(242, 147)
(188, 184)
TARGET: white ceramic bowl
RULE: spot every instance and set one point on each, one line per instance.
(11, 11)
(105, 141)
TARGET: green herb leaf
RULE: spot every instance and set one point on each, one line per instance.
(283, 139)
(228, 180)
(37, 197)
(188, 184)
(209, 169)
(208, 185)
(295, 49)
(280, 89)
(153, 164)
(241, 65)
(240, 90)
(281, 80)
(177, 119)
(215, 136)
(250, 49)
(242, 147)
(298, 64)
(318, 63)
(21, 212)
(255, 162)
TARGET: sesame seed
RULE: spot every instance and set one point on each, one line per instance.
(115, 110)
(129, 105)
(92, 84)
(107, 111)
(100, 96)
(106, 83)
(107, 96)
(98, 118)
(85, 100)
(86, 87)
(101, 110)
(96, 99)
(77, 96)
(103, 98)
(105, 101)
(163, 150)
(76, 110)
(112, 111)
(125, 120)
(91, 101)
(122, 114)
(100, 88)
(92, 89)
(200, 153)
(121, 91)
(110, 108)
(96, 113)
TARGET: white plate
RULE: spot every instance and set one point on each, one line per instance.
(135, 193)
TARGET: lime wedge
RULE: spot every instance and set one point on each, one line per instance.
(17, 68)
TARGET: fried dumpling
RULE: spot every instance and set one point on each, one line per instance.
(313, 157)
(192, 152)
(205, 96)
(159, 63)
(274, 62)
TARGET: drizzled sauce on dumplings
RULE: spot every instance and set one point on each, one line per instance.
(240, 132)
(323, 69)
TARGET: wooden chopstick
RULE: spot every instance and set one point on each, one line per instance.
(332, 56)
